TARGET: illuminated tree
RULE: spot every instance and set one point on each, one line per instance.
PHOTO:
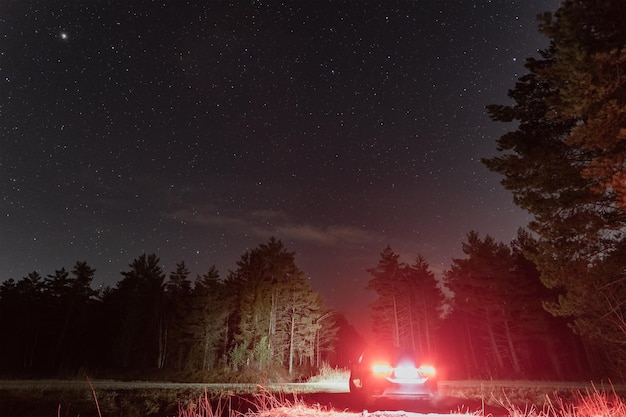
(388, 320)
(175, 344)
(427, 301)
(497, 297)
(207, 321)
(277, 310)
(409, 303)
(479, 283)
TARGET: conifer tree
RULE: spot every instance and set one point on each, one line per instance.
(565, 165)
(23, 318)
(175, 340)
(277, 309)
(427, 300)
(138, 302)
(207, 320)
(409, 304)
(387, 311)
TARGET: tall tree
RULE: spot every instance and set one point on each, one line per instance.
(498, 312)
(298, 317)
(23, 319)
(387, 311)
(478, 283)
(565, 165)
(277, 309)
(208, 320)
(427, 300)
(137, 301)
(409, 304)
(174, 335)
(72, 298)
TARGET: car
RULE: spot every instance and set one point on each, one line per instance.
(392, 373)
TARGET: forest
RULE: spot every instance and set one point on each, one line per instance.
(551, 304)
(265, 322)
(263, 318)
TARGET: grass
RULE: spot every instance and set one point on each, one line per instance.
(108, 398)
(330, 373)
(589, 403)
(592, 402)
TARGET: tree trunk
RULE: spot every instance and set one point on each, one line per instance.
(272, 325)
(412, 332)
(61, 341)
(471, 345)
(205, 354)
(29, 358)
(494, 347)
(291, 341)
(429, 347)
(395, 321)
(513, 354)
(162, 345)
(551, 350)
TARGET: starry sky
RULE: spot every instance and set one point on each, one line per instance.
(197, 130)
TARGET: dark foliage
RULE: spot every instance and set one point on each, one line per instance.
(565, 165)
(153, 326)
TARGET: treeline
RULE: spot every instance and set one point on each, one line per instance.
(487, 319)
(263, 318)
(484, 319)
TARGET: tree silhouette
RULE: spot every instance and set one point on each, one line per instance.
(175, 337)
(207, 320)
(137, 301)
(565, 165)
(409, 304)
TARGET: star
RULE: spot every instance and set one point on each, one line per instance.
(338, 140)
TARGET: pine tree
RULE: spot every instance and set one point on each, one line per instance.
(207, 321)
(427, 300)
(137, 301)
(388, 310)
(22, 321)
(277, 310)
(478, 283)
(565, 165)
(175, 341)
(71, 302)
(409, 304)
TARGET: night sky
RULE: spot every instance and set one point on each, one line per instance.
(197, 130)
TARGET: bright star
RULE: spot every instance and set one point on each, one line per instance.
(63, 35)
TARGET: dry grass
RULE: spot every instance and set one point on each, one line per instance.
(589, 403)
(517, 398)
(330, 373)
(592, 402)
(264, 404)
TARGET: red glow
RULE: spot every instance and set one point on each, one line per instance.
(427, 370)
(382, 369)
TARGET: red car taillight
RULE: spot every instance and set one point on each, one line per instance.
(382, 369)
(427, 370)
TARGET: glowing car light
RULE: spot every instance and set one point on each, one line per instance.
(382, 369)
(406, 372)
(427, 370)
